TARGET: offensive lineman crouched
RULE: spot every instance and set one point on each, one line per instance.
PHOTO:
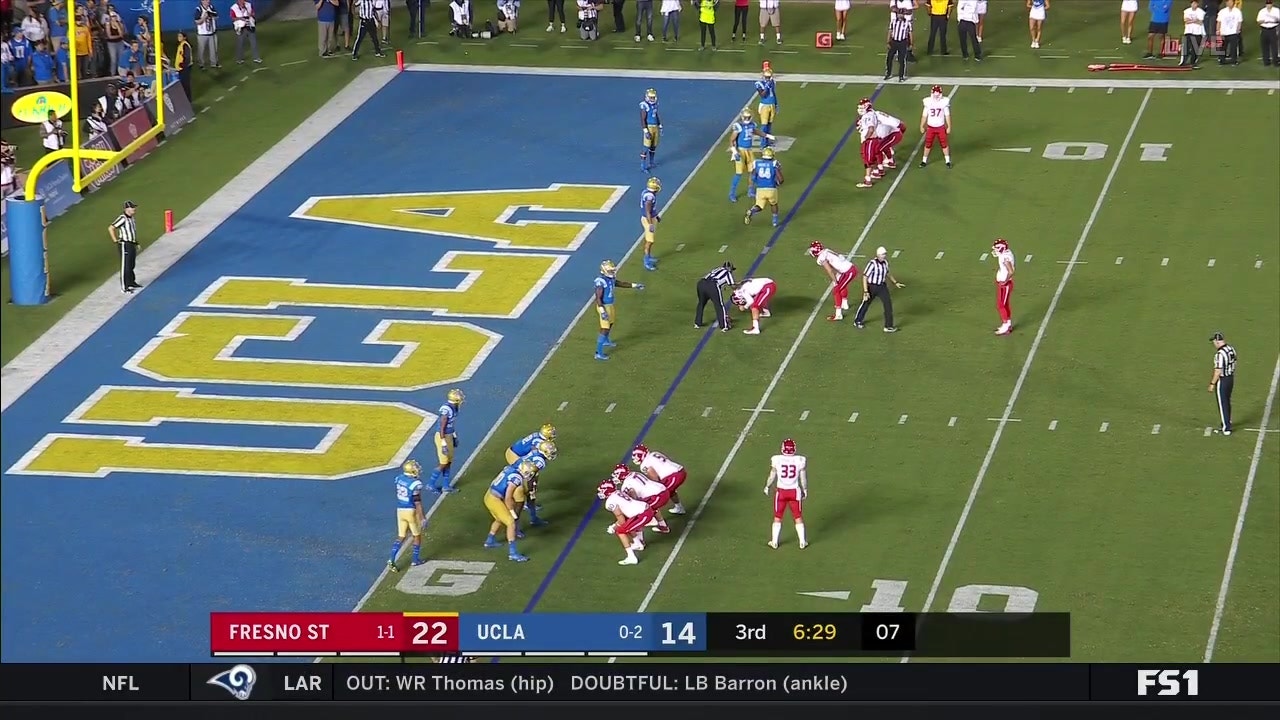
(660, 468)
(788, 470)
(650, 492)
(630, 515)
(754, 295)
(841, 271)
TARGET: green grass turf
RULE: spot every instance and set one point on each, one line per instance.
(1126, 529)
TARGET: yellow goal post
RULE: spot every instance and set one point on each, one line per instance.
(108, 158)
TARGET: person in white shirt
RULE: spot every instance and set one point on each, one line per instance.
(1269, 21)
(670, 18)
(460, 18)
(771, 14)
(589, 19)
(1230, 23)
(206, 19)
(52, 136)
(967, 14)
(842, 17)
(34, 29)
(508, 15)
(382, 15)
(1192, 34)
(245, 24)
(1128, 11)
(982, 17)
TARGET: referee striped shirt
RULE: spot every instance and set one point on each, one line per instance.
(126, 228)
(900, 27)
(1225, 360)
(458, 658)
(365, 9)
(877, 271)
(721, 276)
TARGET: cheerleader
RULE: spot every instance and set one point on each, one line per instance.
(842, 17)
(1128, 11)
(982, 16)
(1037, 9)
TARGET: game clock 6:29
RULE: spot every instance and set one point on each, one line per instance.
(814, 632)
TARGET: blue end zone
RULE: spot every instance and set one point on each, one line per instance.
(127, 567)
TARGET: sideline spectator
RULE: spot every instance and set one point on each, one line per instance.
(182, 63)
(20, 51)
(52, 135)
(382, 14)
(62, 61)
(326, 16)
(707, 21)
(44, 69)
(670, 18)
(1192, 35)
(619, 17)
(206, 19)
(245, 25)
(939, 20)
(741, 11)
(461, 19)
(589, 19)
(115, 35)
(84, 46)
(417, 18)
(56, 19)
(770, 14)
(1269, 22)
(644, 16)
(33, 28)
(554, 8)
(96, 123)
(1159, 27)
(1230, 23)
(508, 16)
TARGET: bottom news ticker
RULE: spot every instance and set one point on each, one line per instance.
(486, 682)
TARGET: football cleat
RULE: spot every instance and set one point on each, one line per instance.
(788, 447)
(815, 249)
(639, 454)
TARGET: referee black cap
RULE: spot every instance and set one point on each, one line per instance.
(1217, 336)
(130, 204)
(729, 266)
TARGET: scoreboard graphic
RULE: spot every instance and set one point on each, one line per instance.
(264, 634)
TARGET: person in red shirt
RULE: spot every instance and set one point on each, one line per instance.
(740, 8)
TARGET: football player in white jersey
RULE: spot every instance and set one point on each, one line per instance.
(660, 468)
(890, 131)
(1004, 284)
(841, 271)
(788, 470)
(754, 295)
(867, 123)
(630, 518)
(650, 492)
(935, 124)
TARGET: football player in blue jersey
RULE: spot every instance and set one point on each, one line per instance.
(649, 220)
(767, 91)
(446, 439)
(651, 127)
(409, 516)
(766, 175)
(605, 283)
(529, 443)
(501, 499)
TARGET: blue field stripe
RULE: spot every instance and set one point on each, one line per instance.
(688, 364)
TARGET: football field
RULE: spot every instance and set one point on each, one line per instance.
(1068, 467)
(235, 428)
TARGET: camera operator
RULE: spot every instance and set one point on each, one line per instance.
(8, 169)
(589, 19)
(52, 135)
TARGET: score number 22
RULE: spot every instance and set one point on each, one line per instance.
(430, 633)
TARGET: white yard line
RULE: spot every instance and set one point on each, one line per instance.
(542, 365)
(1031, 356)
(1221, 606)
(768, 391)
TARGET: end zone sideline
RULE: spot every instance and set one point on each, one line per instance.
(82, 321)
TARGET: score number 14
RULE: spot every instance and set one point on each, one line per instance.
(685, 635)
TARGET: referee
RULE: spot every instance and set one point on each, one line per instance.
(711, 290)
(124, 232)
(455, 658)
(875, 281)
(368, 26)
(899, 41)
(1224, 379)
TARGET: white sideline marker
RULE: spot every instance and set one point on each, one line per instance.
(853, 418)
(1212, 262)
(679, 247)
(896, 253)
(1070, 90)
(840, 86)
(1208, 431)
(804, 416)
(1119, 260)
(706, 412)
(1110, 90)
(916, 87)
(610, 408)
(563, 405)
(1053, 424)
(939, 257)
(723, 248)
(1103, 428)
(982, 257)
(972, 498)
(1031, 89)
(1190, 90)
(1231, 91)
(952, 421)
(1028, 258)
(1257, 265)
(994, 88)
(1220, 606)
(768, 391)
(1164, 262)
(804, 85)
(902, 420)
(1155, 429)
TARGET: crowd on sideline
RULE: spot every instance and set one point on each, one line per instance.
(36, 49)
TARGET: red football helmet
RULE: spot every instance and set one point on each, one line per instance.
(815, 248)
(619, 472)
(999, 246)
(739, 299)
(864, 106)
(639, 454)
(788, 447)
(936, 91)
(605, 489)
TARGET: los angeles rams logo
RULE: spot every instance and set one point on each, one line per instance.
(238, 681)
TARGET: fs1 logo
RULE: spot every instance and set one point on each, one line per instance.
(1170, 682)
(238, 681)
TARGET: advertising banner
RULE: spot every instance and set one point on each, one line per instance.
(130, 127)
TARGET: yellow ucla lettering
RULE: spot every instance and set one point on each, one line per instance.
(485, 215)
(493, 285)
(204, 347)
(362, 437)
